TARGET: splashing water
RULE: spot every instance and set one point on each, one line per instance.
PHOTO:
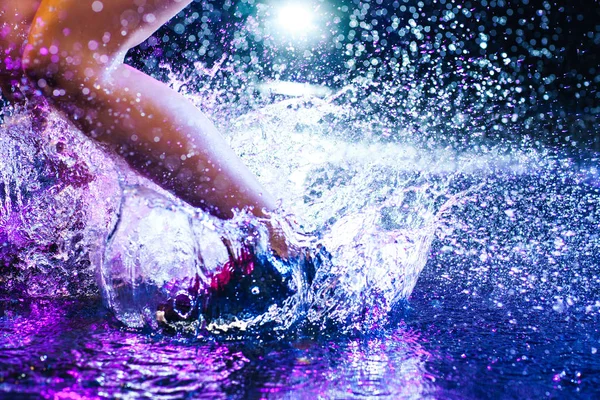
(375, 214)
(376, 173)
(374, 199)
(374, 205)
(446, 142)
(166, 262)
(58, 199)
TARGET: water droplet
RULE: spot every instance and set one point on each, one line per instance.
(97, 6)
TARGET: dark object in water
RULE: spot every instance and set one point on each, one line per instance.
(245, 287)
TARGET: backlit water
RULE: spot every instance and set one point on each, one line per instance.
(458, 201)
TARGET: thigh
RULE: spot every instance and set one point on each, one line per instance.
(99, 27)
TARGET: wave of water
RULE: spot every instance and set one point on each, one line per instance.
(373, 206)
(62, 196)
(75, 218)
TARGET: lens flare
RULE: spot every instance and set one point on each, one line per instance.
(296, 19)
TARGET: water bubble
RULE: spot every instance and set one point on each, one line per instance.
(97, 6)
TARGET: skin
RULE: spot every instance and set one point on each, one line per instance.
(71, 52)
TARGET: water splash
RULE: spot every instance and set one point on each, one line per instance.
(58, 199)
(375, 217)
(168, 263)
(375, 194)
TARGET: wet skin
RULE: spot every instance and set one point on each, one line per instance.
(71, 53)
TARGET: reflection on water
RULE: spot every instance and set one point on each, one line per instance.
(70, 349)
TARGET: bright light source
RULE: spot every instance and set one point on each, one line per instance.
(296, 18)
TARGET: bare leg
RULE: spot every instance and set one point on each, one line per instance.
(75, 56)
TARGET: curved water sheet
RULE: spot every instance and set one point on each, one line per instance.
(365, 202)
(167, 263)
(163, 255)
(372, 208)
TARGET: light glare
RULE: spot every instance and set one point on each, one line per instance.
(296, 18)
